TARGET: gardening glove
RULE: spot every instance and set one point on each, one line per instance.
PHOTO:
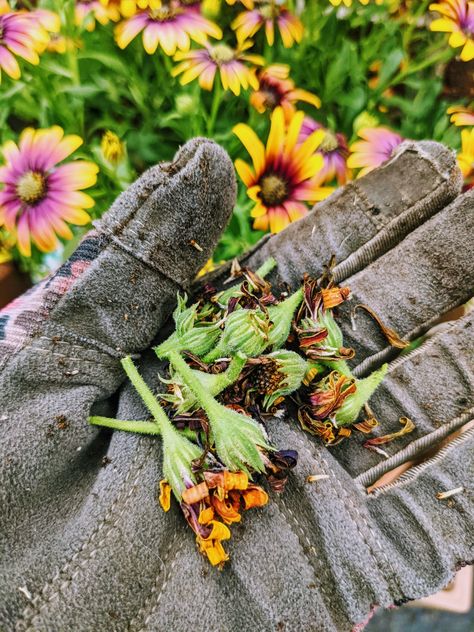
(87, 548)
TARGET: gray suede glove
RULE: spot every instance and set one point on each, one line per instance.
(85, 546)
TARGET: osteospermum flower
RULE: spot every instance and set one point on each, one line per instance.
(348, 3)
(376, 146)
(231, 64)
(283, 176)
(461, 116)
(269, 14)
(172, 26)
(333, 149)
(38, 196)
(88, 12)
(276, 88)
(22, 35)
(458, 19)
(466, 156)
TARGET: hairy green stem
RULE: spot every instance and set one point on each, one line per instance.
(138, 426)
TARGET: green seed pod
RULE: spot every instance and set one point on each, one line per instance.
(292, 368)
(245, 331)
(349, 411)
(281, 316)
(178, 453)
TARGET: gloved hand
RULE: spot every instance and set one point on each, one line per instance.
(84, 544)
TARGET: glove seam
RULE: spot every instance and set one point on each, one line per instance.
(143, 616)
(416, 471)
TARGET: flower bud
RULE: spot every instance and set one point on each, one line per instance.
(112, 148)
(349, 411)
(292, 368)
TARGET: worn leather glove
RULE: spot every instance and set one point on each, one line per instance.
(85, 546)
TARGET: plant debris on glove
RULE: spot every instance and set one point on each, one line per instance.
(237, 359)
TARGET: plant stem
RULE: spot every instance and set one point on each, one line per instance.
(142, 427)
(138, 426)
(216, 99)
(205, 399)
(164, 424)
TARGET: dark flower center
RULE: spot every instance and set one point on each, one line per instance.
(31, 187)
(274, 190)
(266, 378)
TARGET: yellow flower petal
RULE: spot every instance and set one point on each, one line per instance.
(253, 145)
(277, 133)
(245, 172)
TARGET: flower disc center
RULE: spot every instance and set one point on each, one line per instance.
(329, 142)
(222, 54)
(163, 13)
(31, 187)
(274, 190)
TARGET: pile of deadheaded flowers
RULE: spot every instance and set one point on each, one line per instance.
(236, 359)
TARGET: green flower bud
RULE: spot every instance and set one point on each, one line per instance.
(281, 316)
(349, 411)
(292, 368)
(246, 330)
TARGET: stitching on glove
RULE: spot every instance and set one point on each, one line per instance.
(416, 471)
(145, 260)
(317, 567)
(89, 547)
(387, 353)
(141, 620)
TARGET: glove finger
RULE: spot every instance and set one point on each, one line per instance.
(364, 219)
(412, 285)
(433, 386)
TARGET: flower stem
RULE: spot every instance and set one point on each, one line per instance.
(216, 99)
(205, 399)
(137, 425)
(142, 427)
(164, 425)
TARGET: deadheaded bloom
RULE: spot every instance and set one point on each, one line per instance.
(288, 370)
(275, 88)
(245, 331)
(238, 438)
(330, 394)
(268, 15)
(171, 26)
(284, 175)
(215, 503)
(190, 334)
(214, 383)
(350, 408)
(236, 68)
(281, 316)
